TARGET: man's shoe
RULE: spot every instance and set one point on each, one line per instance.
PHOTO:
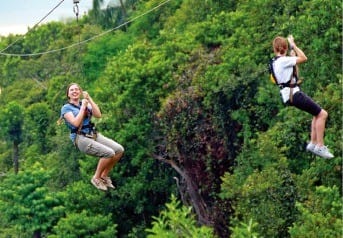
(99, 184)
(310, 147)
(107, 182)
(323, 152)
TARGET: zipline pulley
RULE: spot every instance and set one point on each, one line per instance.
(76, 8)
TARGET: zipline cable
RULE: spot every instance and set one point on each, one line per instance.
(76, 11)
(20, 38)
(91, 38)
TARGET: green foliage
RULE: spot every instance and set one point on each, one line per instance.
(245, 230)
(177, 221)
(271, 148)
(27, 203)
(25, 92)
(135, 86)
(188, 82)
(101, 50)
(40, 40)
(64, 161)
(6, 162)
(271, 202)
(8, 72)
(320, 215)
(38, 118)
(131, 89)
(149, 25)
(114, 14)
(11, 122)
(56, 93)
(318, 26)
(84, 225)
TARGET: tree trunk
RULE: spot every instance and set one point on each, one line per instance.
(16, 157)
(123, 10)
(37, 234)
(197, 201)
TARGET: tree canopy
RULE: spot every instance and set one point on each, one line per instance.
(183, 85)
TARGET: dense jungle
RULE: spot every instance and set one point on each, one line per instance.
(183, 85)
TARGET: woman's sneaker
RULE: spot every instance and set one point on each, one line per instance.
(107, 182)
(99, 184)
(323, 151)
(310, 147)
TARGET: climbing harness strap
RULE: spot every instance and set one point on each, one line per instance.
(78, 130)
(290, 84)
(271, 70)
(92, 133)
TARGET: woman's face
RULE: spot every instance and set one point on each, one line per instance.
(74, 92)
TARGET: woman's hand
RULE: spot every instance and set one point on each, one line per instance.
(95, 109)
(84, 102)
(301, 57)
(290, 39)
(85, 95)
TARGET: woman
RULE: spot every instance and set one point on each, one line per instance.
(283, 68)
(77, 114)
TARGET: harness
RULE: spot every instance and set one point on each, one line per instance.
(91, 126)
(289, 84)
(78, 129)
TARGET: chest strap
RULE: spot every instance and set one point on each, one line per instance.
(288, 85)
(76, 130)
